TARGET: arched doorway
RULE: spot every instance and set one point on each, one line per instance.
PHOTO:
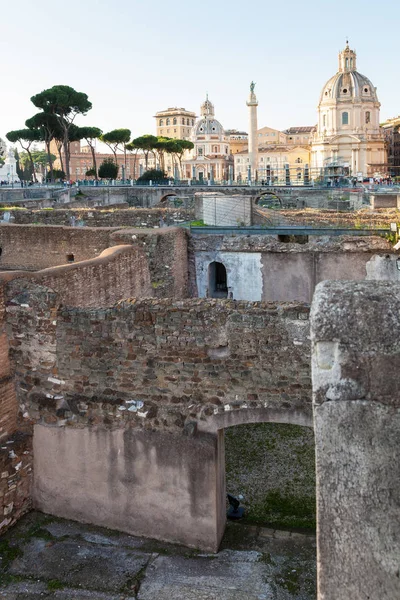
(217, 280)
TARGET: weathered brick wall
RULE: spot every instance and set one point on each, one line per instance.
(119, 272)
(157, 364)
(118, 217)
(15, 448)
(153, 263)
(15, 478)
(33, 247)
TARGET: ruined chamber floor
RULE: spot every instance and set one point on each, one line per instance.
(47, 557)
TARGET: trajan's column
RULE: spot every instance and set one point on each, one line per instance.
(253, 142)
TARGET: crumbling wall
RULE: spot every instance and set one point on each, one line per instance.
(118, 217)
(117, 396)
(15, 447)
(174, 361)
(119, 272)
(356, 382)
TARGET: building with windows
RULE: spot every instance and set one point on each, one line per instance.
(210, 159)
(299, 135)
(392, 136)
(175, 123)
(238, 140)
(80, 161)
(348, 134)
(277, 164)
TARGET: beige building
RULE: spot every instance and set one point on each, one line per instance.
(277, 164)
(210, 160)
(177, 123)
(266, 136)
(238, 140)
(348, 134)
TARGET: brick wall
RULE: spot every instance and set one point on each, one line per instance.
(33, 247)
(157, 364)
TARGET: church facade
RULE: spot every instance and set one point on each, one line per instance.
(210, 159)
(348, 135)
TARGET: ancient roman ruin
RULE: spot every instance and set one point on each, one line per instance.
(127, 348)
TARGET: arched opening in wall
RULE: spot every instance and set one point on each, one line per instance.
(1, 251)
(271, 466)
(169, 199)
(70, 258)
(217, 280)
(269, 200)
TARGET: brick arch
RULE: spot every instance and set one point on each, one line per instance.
(268, 196)
(243, 416)
(164, 199)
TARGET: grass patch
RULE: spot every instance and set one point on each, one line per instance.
(8, 553)
(197, 224)
(55, 584)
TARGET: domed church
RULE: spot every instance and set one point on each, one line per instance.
(349, 139)
(210, 158)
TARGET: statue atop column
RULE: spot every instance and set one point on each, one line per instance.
(252, 86)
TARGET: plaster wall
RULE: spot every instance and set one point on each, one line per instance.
(223, 211)
(244, 274)
(147, 483)
(280, 274)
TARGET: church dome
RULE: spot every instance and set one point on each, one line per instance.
(348, 84)
(209, 126)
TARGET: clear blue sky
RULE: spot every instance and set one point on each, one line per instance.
(134, 58)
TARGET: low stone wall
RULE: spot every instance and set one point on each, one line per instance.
(356, 366)
(118, 217)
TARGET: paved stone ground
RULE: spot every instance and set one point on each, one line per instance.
(47, 557)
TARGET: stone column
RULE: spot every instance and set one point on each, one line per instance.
(355, 337)
(252, 103)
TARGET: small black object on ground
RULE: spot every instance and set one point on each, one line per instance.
(235, 511)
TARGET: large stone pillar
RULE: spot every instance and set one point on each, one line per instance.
(253, 141)
(356, 401)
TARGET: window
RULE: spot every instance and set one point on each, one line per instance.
(192, 122)
(261, 159)
(183, 120)
(168, 122)
(298, 160)
(174, 121)
(187, 122)
(200, 152)
(345, 91)
(347, 63)
(324, 121)
(161, 122)
(161, 131)
(70, 258)
(345, 118)
(367, 117)
(272, 135)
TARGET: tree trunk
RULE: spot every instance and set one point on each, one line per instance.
(50, 160)
(33, 166)
(66, 155)
(92, 149)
